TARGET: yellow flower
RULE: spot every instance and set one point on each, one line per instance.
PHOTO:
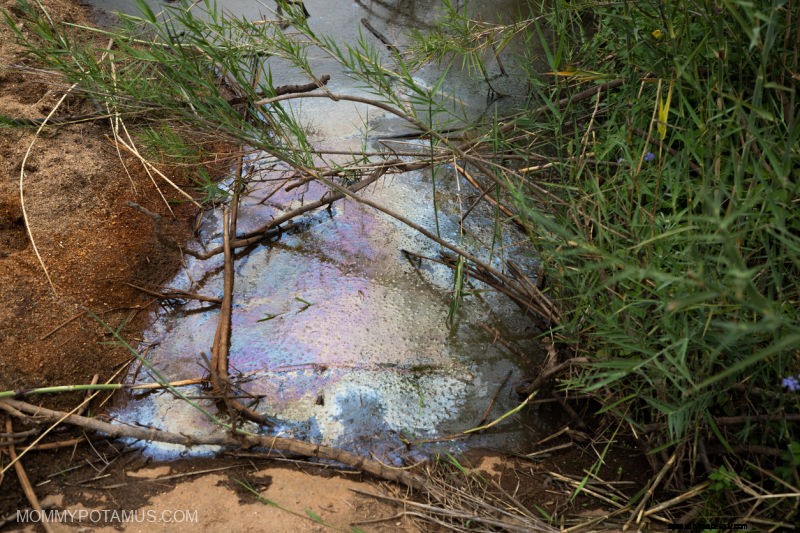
(658, 34)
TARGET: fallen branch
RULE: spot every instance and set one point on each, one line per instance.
(529, 299)
(222, 337)
(241, 439)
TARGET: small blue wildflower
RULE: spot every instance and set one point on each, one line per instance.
(649, 156)
(620, 160)
(791, 383)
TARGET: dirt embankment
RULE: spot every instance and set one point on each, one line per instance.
(76, 194)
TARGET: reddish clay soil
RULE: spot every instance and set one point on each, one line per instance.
(92, 243)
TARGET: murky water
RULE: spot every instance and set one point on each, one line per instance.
(343, 339)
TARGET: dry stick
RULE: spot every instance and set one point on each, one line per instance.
(48, 430)
(515, 293)
(115, 118)
(21, 184)
(396, 165)
(570, 411)
(59, 444)
(58, 327)
(549, 373)
(519, 275)
(381, 37)
(222, 337)
(524, 527)
(85, 403)
(177, 293)
(148, 165)
(638, 513)
(585, 137)
(118, 141)
(105, 386)
(545, 307)
(488, 411)
(23, 477)
(483, 504)
(485, 194)
(288, 89)
(170, 385)
(240, 440)
(259, 234)
(586, 489)
(473, 206)
(219, 352)
(691, 493)
(548, 309)
(460, 151)
(331, 197)
(19, 434)
(587, 526)
(498, 337)
(484, 418)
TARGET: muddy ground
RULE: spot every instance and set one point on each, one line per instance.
(76, 194)
(77, 190)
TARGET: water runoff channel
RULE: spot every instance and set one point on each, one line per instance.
(343, 338)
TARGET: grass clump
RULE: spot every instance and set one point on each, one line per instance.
(676, 249)
(667, 224)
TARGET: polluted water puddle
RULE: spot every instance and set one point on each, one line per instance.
(340, 334)
(344, 340)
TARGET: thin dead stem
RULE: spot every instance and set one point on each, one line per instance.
(22, 186)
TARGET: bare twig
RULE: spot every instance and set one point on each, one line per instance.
(222, 337)
(547, 374)
(638, 513)
(22, 187)
(272, 227)
(58, 327)
(169, 294)
(485, 194)
(381, 37)
(23, 478)
(522, 525)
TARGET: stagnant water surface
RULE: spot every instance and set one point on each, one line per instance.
(343, 338)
